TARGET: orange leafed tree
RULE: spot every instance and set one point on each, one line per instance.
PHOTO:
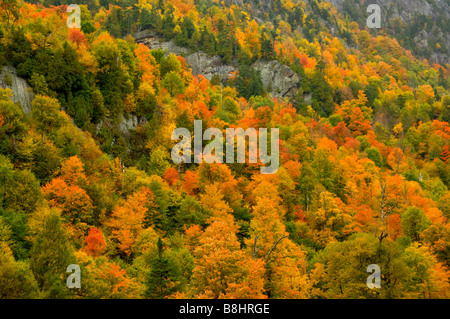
(107, 280)
(146, 65)
(127, 220)
(75, 203)
(356, 114)
(222, 269)
(190, 182)
(72, 172)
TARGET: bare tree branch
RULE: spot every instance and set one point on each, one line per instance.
(273, 247)
(382, 236)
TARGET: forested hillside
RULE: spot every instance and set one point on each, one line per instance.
(86, 175)
(419, 25)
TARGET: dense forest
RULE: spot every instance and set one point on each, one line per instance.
(364, 171)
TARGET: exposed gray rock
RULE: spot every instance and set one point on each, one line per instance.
(404, 9)
(277, 78)
(208, 66)
(308, 98)
(20, 89)
(128, 123)
(154, 42)
(199, 62)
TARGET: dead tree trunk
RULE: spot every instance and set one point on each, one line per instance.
(272, 249)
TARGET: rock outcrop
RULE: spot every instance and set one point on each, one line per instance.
(403, 9)
(278, 79)
(21, 91)
(128, 123)
(154, 42)
(406, 11)
(208, 66)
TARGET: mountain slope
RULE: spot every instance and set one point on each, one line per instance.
(88, 178)
(421, 26)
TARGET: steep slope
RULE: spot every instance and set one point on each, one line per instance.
(423, 26)
(278, 79)
(364, 153)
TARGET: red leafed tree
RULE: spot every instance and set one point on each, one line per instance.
(171, 176)
(95, 242)
(263, 114)
(394, 225)
(340, 133)
(77, 37)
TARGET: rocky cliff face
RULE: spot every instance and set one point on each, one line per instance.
(154, 42)
(420, 14)
(404, 9)
(278, 79)
(22, 93)
(208, 66)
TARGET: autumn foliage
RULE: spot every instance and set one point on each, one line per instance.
(86, 175)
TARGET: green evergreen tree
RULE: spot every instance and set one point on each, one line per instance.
(50, 255)
(145, 19)
(306, 185)
(374, 154)
(164, 277)
(187, 28)
(225, 44)
(248, 82)
(19, 52)
(266, 47)
(207, 42)
(322, 100)
(168, 25)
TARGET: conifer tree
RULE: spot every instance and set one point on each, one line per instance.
(50, 255)
(164, 276)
